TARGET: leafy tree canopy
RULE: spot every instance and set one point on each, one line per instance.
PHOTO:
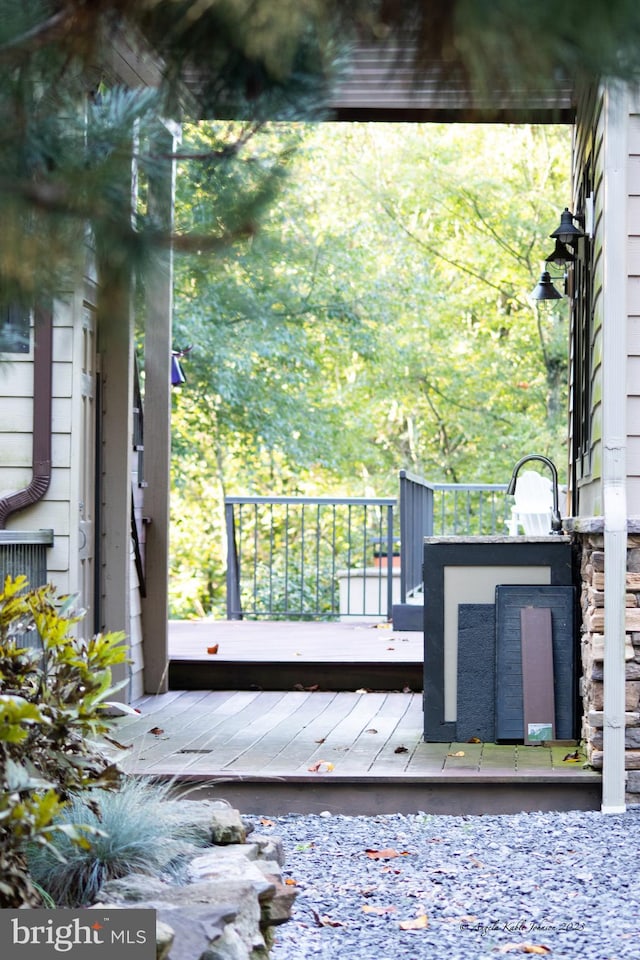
(67, 128)
(380, 318)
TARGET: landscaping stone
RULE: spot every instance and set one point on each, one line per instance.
(269, 848)
(231, 895)
(164, 939)
(196, 929)
(227, 826)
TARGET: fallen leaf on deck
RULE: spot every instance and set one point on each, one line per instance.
(321, 740)
(524, 948)
(214, 648)
(156, 731)
(380, 911)
(474, 740)
(387, 854)
(266, 822)
(116, 743)
(420, 923)
(383, 626)
(321, 766)
(363, 690)
(458, 753)
(390, 648)
(290, 882)
(114, 709)
(371, 730)
(572, 757)
(325, 921)
(401, 750)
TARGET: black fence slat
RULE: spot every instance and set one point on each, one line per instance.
(312, 557)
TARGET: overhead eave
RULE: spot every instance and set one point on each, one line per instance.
(129, 60)
(382, 83)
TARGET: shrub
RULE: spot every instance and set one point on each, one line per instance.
(50, 716)
(139, 830)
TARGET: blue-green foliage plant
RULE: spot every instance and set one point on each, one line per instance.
(135, 829)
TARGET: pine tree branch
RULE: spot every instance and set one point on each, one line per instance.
(38, 36)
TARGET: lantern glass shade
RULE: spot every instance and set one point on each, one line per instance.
(561, 255)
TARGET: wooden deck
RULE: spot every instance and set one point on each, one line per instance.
(279, 655)
(348, 752)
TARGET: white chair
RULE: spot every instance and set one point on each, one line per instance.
(533, 506)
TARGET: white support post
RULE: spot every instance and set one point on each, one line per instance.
(614, 362)
(157, 438)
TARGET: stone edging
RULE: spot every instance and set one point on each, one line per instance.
(231, 897)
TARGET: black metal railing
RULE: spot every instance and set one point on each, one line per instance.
(300, 558)
(318, 558)
(444, 509)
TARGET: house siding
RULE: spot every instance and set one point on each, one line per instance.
(585, 463)
(72, 485)
(587, 494)
(16, 443)
(617, 418)
(633, 311)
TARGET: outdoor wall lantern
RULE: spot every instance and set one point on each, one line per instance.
(566, 236)
(567, 232)
(561, 255)
(178, 376)
(544, 289)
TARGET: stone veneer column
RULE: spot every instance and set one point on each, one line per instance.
(592, 649)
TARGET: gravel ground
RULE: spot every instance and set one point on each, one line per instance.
(565, 885)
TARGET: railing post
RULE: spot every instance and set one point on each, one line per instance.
(403, 507)
(416, 523)
(234, 605)
(390, 561)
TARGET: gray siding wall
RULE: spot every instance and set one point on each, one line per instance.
(633, 308)
(589, 149)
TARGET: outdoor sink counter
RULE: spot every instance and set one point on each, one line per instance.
(465, 571)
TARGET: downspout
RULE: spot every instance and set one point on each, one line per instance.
(614, 443)
(41, 466)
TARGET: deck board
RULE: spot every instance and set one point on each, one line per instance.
(222, 737)
(337, 743)
(275, 655)
(363, 753)
(281, 641)
(256, 742)
(269, 734)
(323, 711)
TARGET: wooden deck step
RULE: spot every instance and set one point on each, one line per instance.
(282, 655)
(353, 753)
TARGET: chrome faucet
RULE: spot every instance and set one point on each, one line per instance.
(556, 519)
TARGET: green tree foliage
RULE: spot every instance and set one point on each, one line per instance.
(51, 714)
(68, 130)
(378, 318)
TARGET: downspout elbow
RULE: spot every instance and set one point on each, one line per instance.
(41, 463)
